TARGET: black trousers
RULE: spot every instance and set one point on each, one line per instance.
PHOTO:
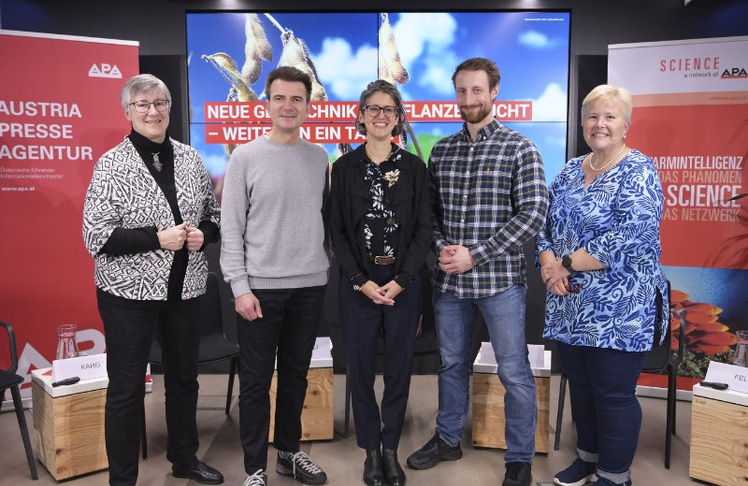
(129, 328)
(363, 324)
(287, 330)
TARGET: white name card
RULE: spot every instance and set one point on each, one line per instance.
(84, 367)
(736, 377)
(322, 348)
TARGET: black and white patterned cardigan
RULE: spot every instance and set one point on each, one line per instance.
(122, 193)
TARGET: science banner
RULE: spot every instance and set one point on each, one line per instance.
(59, 111)
(690, 107)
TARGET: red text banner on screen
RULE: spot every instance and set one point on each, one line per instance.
(332, 121)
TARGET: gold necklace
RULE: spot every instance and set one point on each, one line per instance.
(609, 160)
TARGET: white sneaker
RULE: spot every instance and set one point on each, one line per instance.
(259, 478)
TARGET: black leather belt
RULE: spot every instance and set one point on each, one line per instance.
(380, 260)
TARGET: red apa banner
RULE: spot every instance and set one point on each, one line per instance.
(59, 112)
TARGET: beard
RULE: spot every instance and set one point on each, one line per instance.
(477, 116)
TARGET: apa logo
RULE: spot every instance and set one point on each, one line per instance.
(734, 73)
(104, 71)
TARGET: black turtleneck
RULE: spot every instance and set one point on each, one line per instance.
(164, 177)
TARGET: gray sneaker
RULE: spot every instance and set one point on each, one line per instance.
(301, 467)
(259, 478)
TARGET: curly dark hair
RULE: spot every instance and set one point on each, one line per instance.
(380, 85)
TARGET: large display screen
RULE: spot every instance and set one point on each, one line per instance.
(230, 53)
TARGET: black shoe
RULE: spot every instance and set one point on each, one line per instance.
(518, 474)
(373, 471)
(392, 470)
(200, 472)
(435, 451)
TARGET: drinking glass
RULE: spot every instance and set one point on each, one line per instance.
(740, 357)
(67, 345)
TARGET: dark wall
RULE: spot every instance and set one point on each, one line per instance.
(159, 27)
(159, 24)
(172, 70)
(591, 70)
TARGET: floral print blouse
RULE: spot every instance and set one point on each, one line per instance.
(381, 226)
(616, 218)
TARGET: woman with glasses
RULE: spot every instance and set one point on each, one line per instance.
(381, 235)
(149, 213)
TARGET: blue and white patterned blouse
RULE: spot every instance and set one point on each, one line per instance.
(617, 221)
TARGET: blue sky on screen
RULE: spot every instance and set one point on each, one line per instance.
(530, 48)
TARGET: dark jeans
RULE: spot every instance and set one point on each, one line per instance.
(363, 324)
(129, 328)
(288, 328)
(606, 412)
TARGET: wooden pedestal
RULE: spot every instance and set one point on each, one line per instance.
(317, 415)
(488, 412)
(488, 407)
(719, 437)
(69, 429)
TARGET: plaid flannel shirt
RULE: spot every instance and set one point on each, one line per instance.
(489, 196)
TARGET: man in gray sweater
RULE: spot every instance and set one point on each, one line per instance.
(274, 254)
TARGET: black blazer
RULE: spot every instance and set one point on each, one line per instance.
(350, 202)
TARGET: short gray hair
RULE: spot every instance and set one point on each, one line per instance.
(142, 83)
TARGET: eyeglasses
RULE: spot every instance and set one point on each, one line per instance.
(374, 110)
(145, 106)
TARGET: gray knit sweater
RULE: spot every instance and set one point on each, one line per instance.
(273, 230)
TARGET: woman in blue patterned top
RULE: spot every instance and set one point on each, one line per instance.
(607, 300)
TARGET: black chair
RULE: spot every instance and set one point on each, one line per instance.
(664, 359)
(214, 347)
(661, 359)
(10, 380)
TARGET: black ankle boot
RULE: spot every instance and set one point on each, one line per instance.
(392, 470)
(373, 471)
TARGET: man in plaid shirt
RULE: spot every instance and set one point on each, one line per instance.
(488, 198)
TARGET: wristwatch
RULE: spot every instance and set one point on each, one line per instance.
(566, 263)
(358, 281)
